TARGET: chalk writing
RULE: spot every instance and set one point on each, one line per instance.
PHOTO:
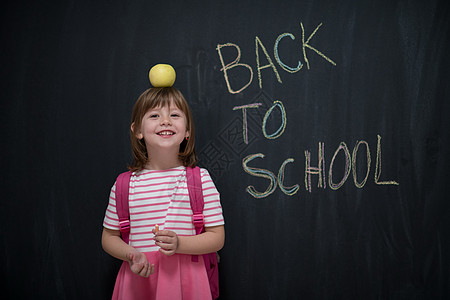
(313, 170)
(277, 57)
(282, 127)
(274, 181)
(287, 190)
(271, 136)
(258, 64)
(378, 166)
(244, 118)
(350, 163)
(259, 173)
(334, 186)
(228, 67)
(307, 45)
(232, 65)
(355, 152)
(239, 135)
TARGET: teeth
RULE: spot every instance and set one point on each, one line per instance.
(166, 133)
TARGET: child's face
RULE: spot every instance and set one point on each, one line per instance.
(163, 128)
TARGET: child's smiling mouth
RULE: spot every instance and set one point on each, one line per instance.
(166, 133)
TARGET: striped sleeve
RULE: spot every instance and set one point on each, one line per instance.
(111, 220)
(212, 210)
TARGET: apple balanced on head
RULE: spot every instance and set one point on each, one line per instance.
(162, 75)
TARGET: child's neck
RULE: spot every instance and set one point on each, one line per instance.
(163, 162)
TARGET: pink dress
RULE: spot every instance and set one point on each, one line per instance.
(171, 273)
(162, 197)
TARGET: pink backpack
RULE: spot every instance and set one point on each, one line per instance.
(196, 196)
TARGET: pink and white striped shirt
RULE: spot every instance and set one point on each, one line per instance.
(162, 197)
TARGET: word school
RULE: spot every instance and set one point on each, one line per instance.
(320, 170)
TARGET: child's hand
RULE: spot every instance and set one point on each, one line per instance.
(167, 240)
(139, 264)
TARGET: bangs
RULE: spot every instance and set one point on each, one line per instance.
(162, 97)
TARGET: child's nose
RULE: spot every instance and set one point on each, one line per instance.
(165, 120)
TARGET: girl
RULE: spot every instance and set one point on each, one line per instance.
(158, 264)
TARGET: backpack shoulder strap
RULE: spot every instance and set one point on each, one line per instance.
(194, 183)
(123, 212)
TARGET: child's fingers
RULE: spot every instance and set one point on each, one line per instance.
(139, 264)
(137, 268)
(167, 252)
(163, 232)
(164, 239)
(167, 247)
(166, 236)
(167, 240)
(150, 270)
(170, 245)
(145, 270)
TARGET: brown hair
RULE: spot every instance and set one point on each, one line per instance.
(161, 97)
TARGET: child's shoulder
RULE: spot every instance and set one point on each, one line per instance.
(204, 173)
(202, 170)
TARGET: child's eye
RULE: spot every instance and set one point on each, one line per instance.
(153, 116)
(174, 115)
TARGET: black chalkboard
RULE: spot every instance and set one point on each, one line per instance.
(323, 123)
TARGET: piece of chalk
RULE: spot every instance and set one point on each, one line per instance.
(156, 228)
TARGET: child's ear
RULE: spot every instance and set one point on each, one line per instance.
(138, 134)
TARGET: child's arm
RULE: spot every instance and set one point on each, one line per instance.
(211, 240)
(113, 244)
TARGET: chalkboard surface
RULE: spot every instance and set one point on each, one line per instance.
(325, 126)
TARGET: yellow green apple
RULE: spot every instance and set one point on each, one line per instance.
(162, 75)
